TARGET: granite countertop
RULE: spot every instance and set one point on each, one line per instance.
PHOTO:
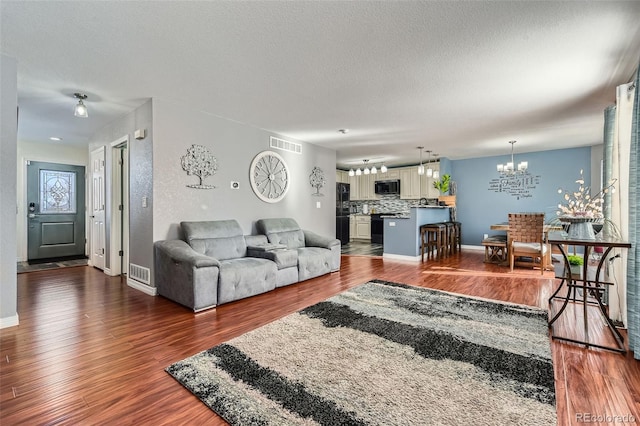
(430, 207)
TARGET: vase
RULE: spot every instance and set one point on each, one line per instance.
(580, 228)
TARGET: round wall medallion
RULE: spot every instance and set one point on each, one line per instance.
(269, 176)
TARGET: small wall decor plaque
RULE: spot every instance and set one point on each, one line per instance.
(200, 162)
(317, 180)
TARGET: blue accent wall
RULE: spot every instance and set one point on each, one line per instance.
(478, 207)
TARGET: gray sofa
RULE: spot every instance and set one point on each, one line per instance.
(217, 263)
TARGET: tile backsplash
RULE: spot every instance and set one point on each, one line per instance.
(386, 204)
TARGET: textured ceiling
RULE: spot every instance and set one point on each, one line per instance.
(459, 78)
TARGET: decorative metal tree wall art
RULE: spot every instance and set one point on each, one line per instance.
(200, 162)
(317, 180)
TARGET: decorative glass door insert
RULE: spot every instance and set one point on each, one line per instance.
(57, 192)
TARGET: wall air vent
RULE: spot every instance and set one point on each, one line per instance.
(139, 273)
(285, 145)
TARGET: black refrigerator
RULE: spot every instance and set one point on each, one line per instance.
(342, 212)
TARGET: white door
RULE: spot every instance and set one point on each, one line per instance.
(97, 209)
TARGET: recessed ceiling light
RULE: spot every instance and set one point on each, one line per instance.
(343, 131)
(55, 138)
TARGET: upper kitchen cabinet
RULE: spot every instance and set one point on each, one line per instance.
(428, 191)
(410, 183)
(362, 187)
(342, 176)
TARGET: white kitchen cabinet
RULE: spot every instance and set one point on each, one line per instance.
(342, 176)
(362, 227)
(352, 227)
(367, 187)
(410, 183)
(354, 188)
(428, 191)
(390, 174)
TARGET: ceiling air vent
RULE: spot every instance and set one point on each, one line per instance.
(285, 145)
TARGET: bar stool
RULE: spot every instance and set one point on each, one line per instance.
(432, 238)
(450, 238)
(458, 239)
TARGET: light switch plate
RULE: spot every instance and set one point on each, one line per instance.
(317, 204)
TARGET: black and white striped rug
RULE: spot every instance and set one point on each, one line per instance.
(383, 354)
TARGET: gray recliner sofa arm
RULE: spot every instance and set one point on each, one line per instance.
(186, 276)
(315, 240)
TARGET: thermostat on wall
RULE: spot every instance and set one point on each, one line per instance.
(235, 184)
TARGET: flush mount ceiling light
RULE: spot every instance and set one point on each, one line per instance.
(81, 109)
(421, 166)
(508, 169)
(55, 138)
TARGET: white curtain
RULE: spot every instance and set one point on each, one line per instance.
(620, 201)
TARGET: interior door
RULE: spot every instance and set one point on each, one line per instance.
(56, 210)
(97, 209)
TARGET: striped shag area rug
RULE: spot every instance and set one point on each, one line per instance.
(383, 354)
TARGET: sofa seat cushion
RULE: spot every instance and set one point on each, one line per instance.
(313, 262)
(245, 277)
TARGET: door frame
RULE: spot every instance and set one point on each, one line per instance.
(22, 219)
(119, 229)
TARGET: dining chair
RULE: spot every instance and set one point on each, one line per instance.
(526, 238)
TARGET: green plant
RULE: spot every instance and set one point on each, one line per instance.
(442, 185)
(575, 259)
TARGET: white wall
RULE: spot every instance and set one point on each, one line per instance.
(176, 128)
(51, 152)
(8, 138)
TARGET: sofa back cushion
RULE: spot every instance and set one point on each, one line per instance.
(221, 239)
(282, 231)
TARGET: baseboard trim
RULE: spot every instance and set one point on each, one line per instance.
(479, 248)
(11, 321)
(392, 256)
(146, 289)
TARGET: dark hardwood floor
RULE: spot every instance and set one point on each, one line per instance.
(91, 350)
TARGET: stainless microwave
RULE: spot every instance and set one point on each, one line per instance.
(384, 187)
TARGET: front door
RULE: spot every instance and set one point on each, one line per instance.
(56, 210)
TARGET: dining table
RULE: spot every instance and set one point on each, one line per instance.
(548, 227)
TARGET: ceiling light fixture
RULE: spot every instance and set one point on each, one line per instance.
(421, 166)
(383, 168)
(80, 109)
(55, 138)
(508, 168)
(429, 169)
(366, 170)
(436, 173)
(343, 131)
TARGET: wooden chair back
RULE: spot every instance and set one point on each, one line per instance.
(526, 227)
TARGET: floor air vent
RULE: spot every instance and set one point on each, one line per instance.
(285, 145)
(139, 273)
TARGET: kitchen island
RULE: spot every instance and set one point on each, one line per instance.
(402, 232)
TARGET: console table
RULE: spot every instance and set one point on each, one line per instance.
(595, 287)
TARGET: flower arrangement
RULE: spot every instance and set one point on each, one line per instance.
(581, 204)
